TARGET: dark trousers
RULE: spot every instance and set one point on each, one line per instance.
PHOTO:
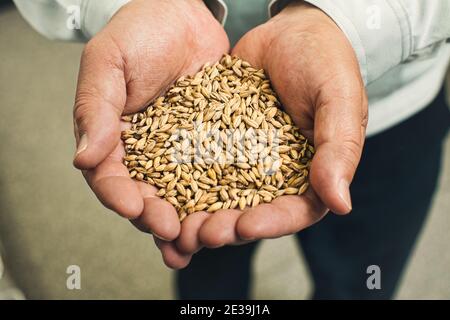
(391, 193)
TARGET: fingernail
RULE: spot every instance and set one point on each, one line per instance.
(344, 193)
(82, 144)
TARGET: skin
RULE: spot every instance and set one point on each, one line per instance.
(312, 67)
(145, 47)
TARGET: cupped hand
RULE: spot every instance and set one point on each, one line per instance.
(145, 47)
(315, 72)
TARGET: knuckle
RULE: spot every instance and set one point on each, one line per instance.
(365, 111)
(364, 119)
(81, 110)
(350, 153)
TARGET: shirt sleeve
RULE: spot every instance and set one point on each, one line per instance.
(385, 33)
(219, 9)
(71, 20)
(80, 20)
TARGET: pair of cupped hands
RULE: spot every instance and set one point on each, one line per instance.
(148, 44)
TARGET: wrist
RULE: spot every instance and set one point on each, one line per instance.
(296, 19)
(175, 8)
(300, 14)
(308, 33)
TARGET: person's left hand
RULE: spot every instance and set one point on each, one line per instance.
(313, 68)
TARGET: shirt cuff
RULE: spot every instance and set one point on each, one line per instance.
(219, 10)
(95, 14)
(373, 28)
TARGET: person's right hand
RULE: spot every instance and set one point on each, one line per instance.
(145, 47)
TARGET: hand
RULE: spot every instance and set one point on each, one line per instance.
(314, 70)
(145, 47)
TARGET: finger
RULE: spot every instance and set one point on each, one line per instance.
(220, 229)
(99, 102)
(339, 129)
(114, 188)
(283, 216)
(159, 217)
(188, 241)
(171, 256)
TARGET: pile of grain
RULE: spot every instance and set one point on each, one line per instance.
(218, 140)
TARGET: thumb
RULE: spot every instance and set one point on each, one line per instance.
(99, 102)
(339, 131)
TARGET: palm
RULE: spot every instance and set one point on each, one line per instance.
(285, 215)
(161, 44)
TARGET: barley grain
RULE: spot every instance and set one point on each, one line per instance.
(230, 100)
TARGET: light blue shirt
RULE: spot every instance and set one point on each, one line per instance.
(400, 44)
